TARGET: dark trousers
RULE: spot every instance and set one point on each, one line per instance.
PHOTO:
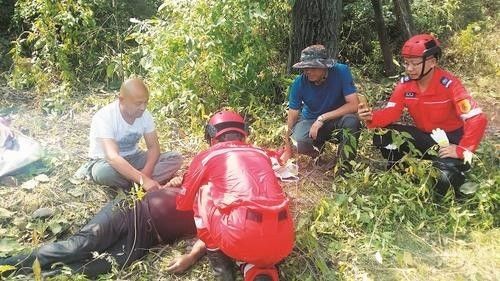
(308, 146)
(122, 232)
(451, 169)
(421, 140)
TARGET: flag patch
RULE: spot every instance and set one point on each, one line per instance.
(390, 104)
(464, 106)
(446, 81)
(410, 94)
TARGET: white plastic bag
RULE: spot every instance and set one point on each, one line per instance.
(25, 152)
(286, 173)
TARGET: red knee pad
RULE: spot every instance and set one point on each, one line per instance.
(255, 271)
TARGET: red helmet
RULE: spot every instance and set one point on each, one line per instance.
(225, 121)
(421, 45)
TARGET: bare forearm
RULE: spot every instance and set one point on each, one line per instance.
(293, 116)
(197, 251)
(341, 111)
(152, 156)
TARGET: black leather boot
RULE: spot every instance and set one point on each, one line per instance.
(222, 265)
(23, 260)
(451, 174)
(23, 263)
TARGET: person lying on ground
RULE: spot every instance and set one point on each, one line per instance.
(122, 230)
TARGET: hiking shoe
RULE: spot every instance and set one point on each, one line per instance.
(222, 265)
(253, 273)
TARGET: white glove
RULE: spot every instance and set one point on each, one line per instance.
(439, 136)
(468, 157)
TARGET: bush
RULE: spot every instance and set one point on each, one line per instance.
(448, 16)
(474, 51)
(374, 211)
(359, 41)
(204, 55)
(56, 44)
(67, 42)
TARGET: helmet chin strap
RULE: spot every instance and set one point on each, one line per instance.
(422, 74)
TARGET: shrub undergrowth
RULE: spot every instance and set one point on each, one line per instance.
(374, 212)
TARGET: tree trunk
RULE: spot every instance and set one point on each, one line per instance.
(382, 37)
(402, 9)
(6, 12)
(314, 22)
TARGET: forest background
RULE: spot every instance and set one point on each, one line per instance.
(63, 60)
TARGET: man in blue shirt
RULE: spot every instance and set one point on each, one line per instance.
(322, 106)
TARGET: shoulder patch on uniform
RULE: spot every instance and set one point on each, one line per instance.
(405, 79)
(390, 104)
(464, 106)
(446, 81)
(410, 94)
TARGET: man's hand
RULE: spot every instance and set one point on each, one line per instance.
(313, 132)
(174, 182)
(149, 184)
(448, 151)
(180, 264)
(287, 154)
(364, 112)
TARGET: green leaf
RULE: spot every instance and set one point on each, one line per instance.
(8, 245)
(37, 270)
(4, 268)
(469, 187)
(55, 227)
(5, 214)
(110, 70)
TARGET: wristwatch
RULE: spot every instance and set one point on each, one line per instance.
(321, 119)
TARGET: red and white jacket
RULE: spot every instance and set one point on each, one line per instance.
(241, 175)
(445, 104)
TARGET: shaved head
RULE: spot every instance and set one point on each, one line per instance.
(134, 97)
(133, 87)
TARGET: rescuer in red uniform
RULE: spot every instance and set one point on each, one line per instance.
(435, 99)
(240, 210)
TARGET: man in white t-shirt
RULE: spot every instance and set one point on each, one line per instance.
(115, 132)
